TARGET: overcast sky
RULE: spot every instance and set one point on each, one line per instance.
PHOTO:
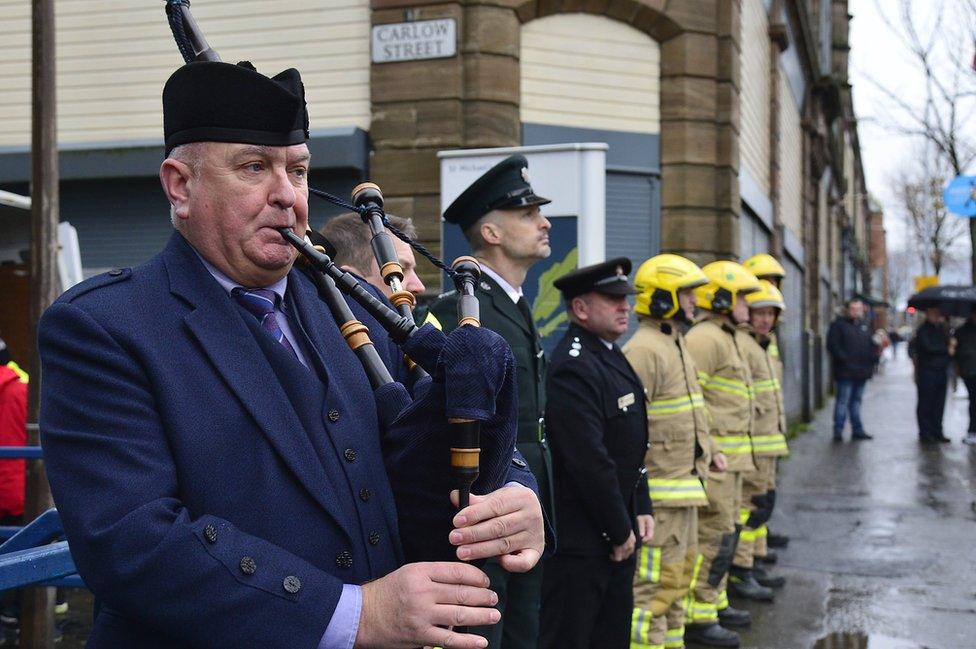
(877, 53)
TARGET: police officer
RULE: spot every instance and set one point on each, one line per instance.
(768, 443)
(766, 267)
(715, 346)
(598, 431)
(680, 450)
(499, 215)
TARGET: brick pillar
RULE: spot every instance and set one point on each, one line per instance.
(700, 82)
(421, 107)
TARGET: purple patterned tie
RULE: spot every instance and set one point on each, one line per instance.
(262, 302)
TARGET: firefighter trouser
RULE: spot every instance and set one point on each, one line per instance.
(755, 510)
(760, 547)
(716, 546)
(662, 579)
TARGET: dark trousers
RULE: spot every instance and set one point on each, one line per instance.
(519, 598)
(970, 382)
(587, 603)
(932, 384)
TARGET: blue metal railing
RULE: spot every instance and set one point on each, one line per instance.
(35, 554)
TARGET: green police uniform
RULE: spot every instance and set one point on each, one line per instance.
(506, 186)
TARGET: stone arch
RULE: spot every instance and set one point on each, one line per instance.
(699, 107)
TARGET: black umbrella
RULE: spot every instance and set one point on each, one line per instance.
(951, 300)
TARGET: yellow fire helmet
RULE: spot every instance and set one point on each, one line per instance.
(726, 279)
(764, 265)
(767, 295)
(658, 281)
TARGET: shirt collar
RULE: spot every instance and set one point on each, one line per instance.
(510, 291)
(229, 285)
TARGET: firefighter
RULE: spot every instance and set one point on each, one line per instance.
(764, 266)
(768, 443)
(715, 346)
(679, 454)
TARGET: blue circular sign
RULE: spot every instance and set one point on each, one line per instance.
(959, 196)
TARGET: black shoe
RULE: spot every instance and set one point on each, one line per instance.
(941, 439)
(768, 579)
(734, 617)
(838, 437)
(711, 635)
(777, 540)
(861, 436)
(743, 584)
(769, 558)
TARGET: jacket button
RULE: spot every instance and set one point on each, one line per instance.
(291, 584)
(248, 565)
(344, 559)
(210, 533)
(349, 454)
(519, 462)
(365, 494)
(115, 272)
(333, 415)
(374, 538)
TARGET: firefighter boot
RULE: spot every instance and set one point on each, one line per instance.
(734, 617)
(711, 635)
(777, 540)
(769, 558)
(768, 579)
(743, 584)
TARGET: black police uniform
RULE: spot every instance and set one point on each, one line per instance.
(506, 186)
(597, 424)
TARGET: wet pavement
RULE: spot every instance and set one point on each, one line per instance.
(883, 549)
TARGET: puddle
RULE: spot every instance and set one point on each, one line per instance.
(857, 640)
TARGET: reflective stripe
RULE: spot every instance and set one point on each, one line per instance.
(722, 600)
(696, 611)
(21, 374)
(640, 629)
(723, 384)
(766, 385)
(675, 638)
(677, 404)
(762, 532)
(773, 350)
(675, 489)
(774, 442)
(743, 515)
(734, 444)
(649, 564)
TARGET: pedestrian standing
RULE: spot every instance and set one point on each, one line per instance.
(931, 350)
(966, 363)
(499, 216)
(715, 346)
(680, 453)
(597, 428)
(853, 354)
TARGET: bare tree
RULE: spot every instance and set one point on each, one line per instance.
(933, 231)
(941, 54)
(901, 264)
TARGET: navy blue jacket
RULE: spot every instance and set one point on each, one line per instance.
(851, 349)
(199, 507)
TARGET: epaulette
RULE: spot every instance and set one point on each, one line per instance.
(98, 281)
(666, 328)
(575, 348)
(727, 328)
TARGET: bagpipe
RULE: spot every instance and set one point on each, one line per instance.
(463, 399)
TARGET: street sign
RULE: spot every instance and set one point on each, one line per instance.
(415, 41)
(922, 282)
(959, 196)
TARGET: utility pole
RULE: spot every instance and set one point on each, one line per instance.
(37, 619)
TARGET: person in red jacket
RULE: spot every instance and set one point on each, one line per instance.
(13, 432)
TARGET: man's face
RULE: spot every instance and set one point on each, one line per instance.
(855, 310)
(523, 233)
(238, 199)
(687, 302)
(740, 311)
(411, 281)
(602, 315)
(763, 319)
(933, 315)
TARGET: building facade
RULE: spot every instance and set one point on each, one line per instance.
(730, 124)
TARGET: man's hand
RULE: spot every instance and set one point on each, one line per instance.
(625, 549)
(506, 523)
(415, 605)
(645, 528)
(719, 463)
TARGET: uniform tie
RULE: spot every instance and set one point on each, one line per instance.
(261, 302)
(526, 310)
